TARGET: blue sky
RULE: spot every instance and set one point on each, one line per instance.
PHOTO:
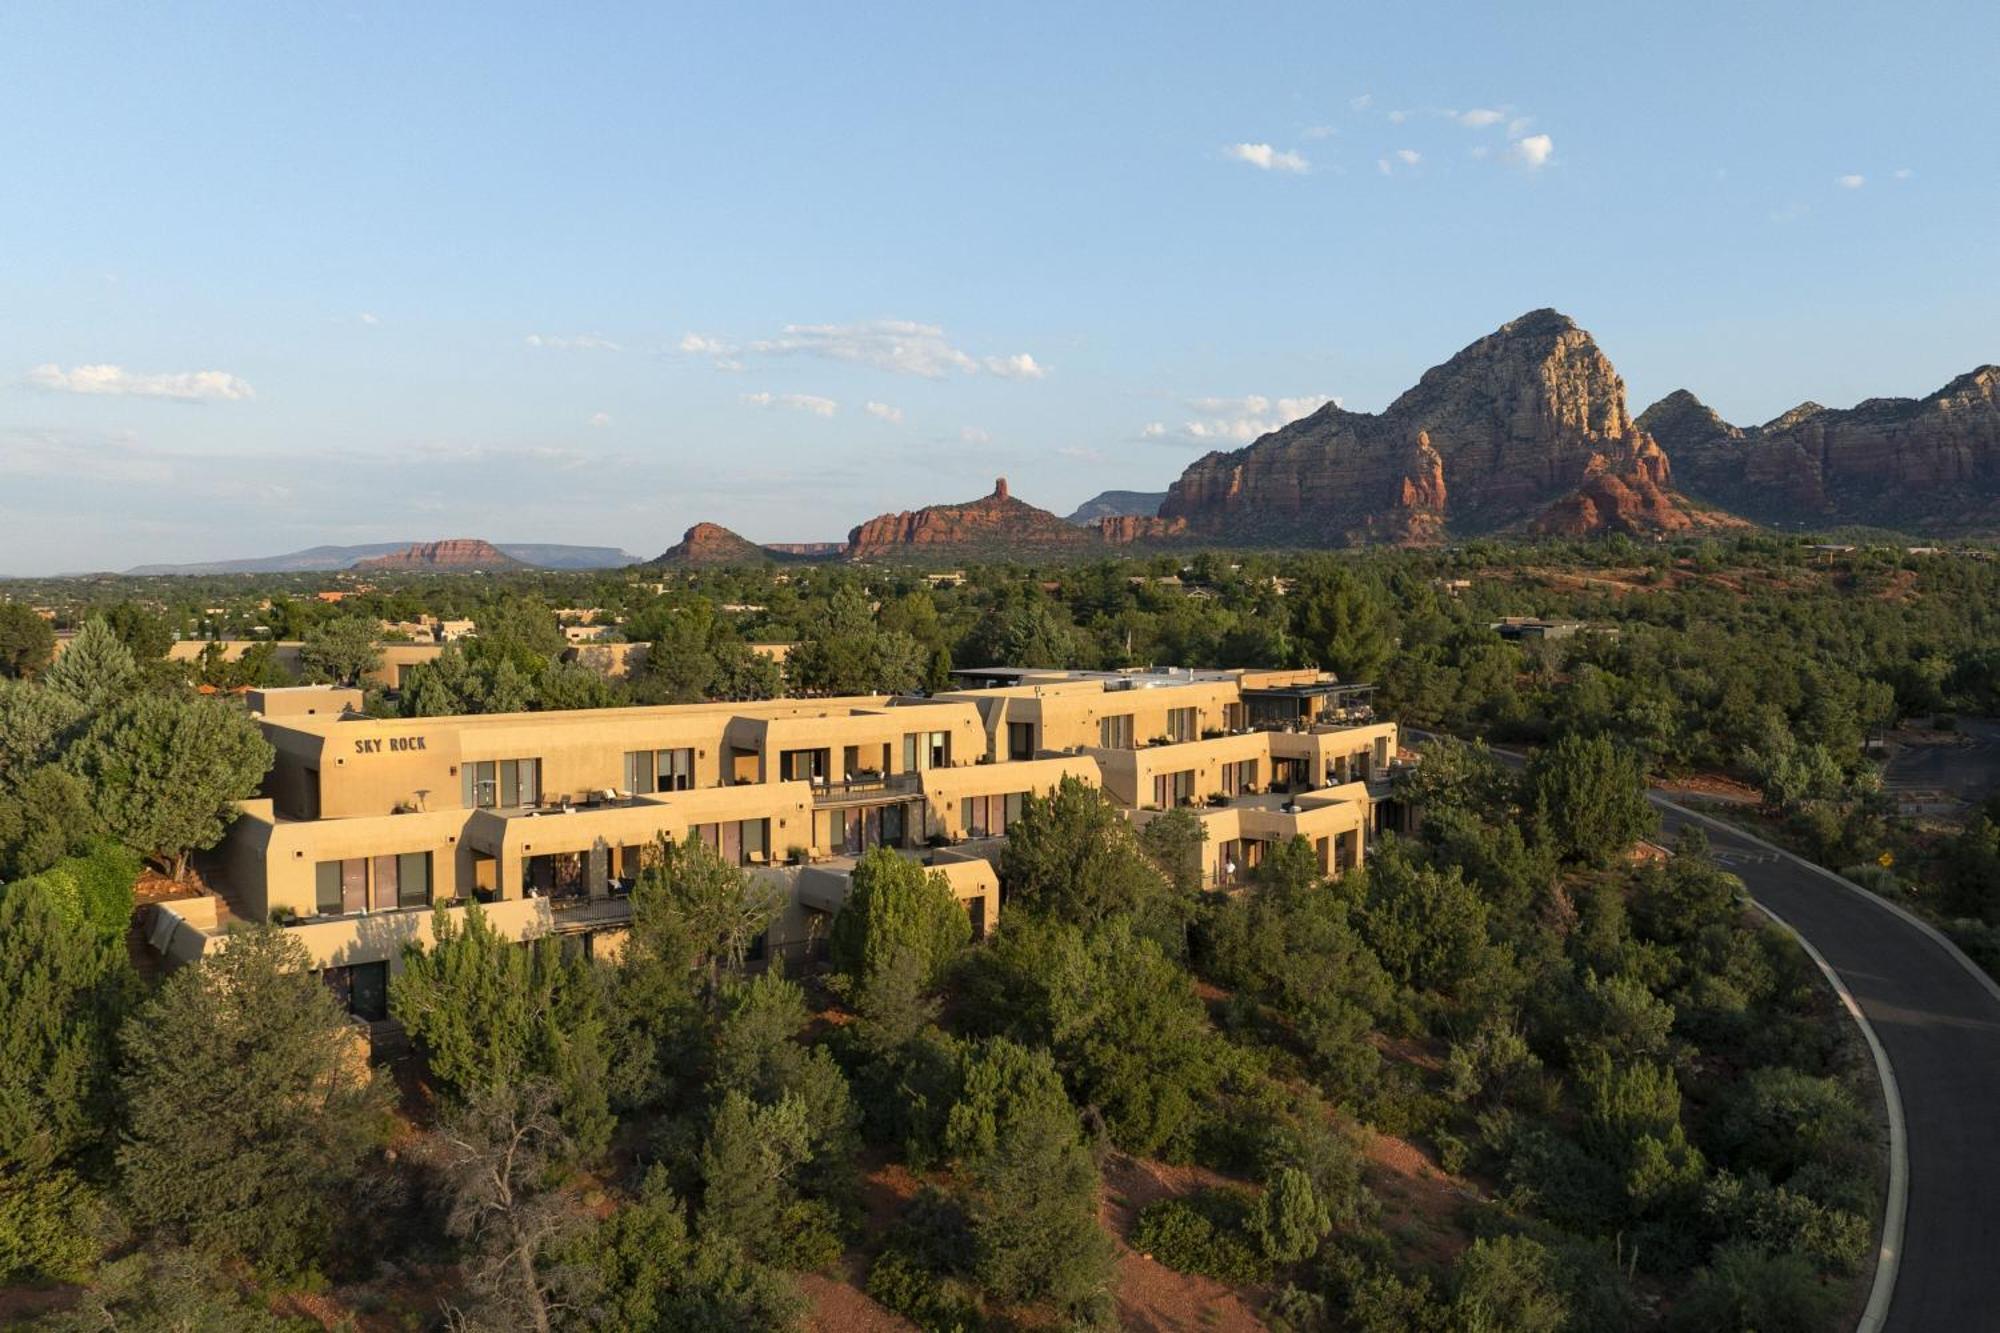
(281, 274)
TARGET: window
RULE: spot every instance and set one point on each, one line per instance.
(361, 988)
(1020, 740)
(659, 770)
(413, 879)
(940, 749)
(1239, 777)
(341, 887)
(326, 891)
(1115, 733)
(490, 784)
(989, 816)
(1172, 789)
(1234, 717)
(737, 840)
(910, 752)
(1180, 724)
(802, 765)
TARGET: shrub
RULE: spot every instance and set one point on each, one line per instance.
(1206, 1233)
(94, 889)
(1744, 1288)
(930, 1300)
(1289, 1219)
(44, 1233)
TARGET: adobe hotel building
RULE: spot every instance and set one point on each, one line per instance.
(367, 824)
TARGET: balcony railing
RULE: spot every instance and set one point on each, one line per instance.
(863, 788)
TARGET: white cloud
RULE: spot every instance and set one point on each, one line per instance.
(368, 318)
(974, 435)
(795, 402)
(1398, 117)
(1082, 453)
(1904, 173)
(1153, 430)
(1519, 126)
(1363, 102)
(1851, 181)
(1409, 157)
(600, 418)
(1480, 150)
(884, 411)
(1240, 420)
(1319, 131)
(576, 342)
(1382, 165)
(1018, 367)
(899, 346)
(1266, 158)
(189, 386)
(1480, 117)
(1534, 151)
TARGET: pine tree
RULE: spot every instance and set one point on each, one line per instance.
(249, 1108)
(95, 669)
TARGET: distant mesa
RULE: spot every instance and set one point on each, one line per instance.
(807, 550)
(1928, 464)
(329, 559)
(1117, 504)
(456, 554)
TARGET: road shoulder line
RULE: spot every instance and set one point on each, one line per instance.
(1895, 1211)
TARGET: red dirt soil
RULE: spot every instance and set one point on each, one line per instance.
(1151, 1296)
(1418, 1200)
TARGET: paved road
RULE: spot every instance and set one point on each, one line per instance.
(1937, 1020)
(1940, 1027)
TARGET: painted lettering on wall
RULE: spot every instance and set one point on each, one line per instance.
(377, 744)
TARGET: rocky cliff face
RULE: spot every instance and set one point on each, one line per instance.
(1127, 529)
(1530, 416)
(709, 545)
(993, 525)
(462, 554)
(1920, 464)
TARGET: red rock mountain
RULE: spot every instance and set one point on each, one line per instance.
(1525, 428)
(1919, 464)
(995, 525)
(709, 545)
(456, 554)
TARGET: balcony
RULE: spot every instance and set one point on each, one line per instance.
(867, 789)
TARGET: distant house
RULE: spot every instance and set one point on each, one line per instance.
(1516, 629)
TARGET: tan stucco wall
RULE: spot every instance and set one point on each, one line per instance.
(368, 768)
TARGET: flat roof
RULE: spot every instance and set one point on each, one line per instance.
(761, 709)
(1316, 690)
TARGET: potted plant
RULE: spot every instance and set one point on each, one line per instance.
(797, 855)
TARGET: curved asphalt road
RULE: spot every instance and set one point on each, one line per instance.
(1936, 1018)
(1938, 1021)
